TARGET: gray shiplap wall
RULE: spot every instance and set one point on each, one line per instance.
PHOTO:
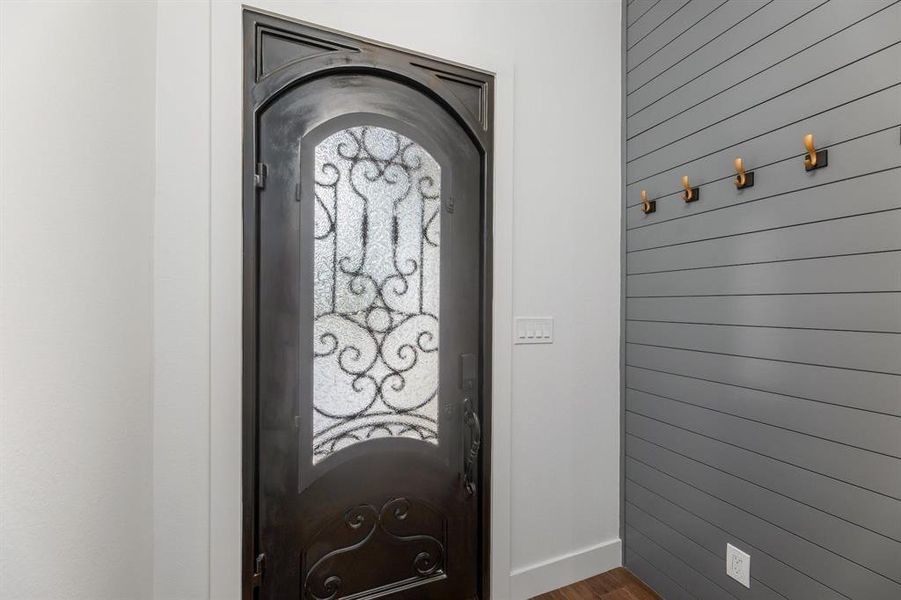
(763, 326)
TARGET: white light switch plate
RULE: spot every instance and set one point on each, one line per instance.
(533, 330)
(738, 565)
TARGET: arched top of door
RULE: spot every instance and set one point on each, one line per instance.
(291, 56)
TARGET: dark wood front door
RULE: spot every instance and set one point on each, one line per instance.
(365, 319)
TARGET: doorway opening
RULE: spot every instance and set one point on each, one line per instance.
(366, 320)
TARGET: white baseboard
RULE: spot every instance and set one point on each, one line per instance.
(532, 580)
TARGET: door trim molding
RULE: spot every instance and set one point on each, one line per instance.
(334, 52)
(533, 580)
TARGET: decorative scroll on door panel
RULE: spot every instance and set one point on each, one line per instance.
(376, 290)
(405, 538)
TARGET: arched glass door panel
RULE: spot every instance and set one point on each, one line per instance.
(376, 290)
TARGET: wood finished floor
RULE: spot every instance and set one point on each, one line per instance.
(618, 584)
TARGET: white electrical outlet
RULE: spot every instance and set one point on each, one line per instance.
(738, 565)
(533, 330)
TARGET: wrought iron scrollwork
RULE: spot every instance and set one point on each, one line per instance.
(322, 582)
(363, 518)
(376, 275)
(429, 560)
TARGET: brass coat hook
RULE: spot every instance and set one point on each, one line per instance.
(743, 180)
(647, 206)
(815, 159)
(691, 193)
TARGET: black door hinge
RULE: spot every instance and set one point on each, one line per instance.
(259, 569)
(260, 174)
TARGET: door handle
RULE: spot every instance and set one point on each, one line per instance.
(469, 373)
(471, 420)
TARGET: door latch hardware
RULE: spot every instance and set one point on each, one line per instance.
(261, 172)
(259, 569)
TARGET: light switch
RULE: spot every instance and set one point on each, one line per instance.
(533, 330)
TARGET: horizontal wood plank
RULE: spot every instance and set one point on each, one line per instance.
(863, 351)
(857, 273)
(653, 20)
(671, 565)
(851, 312)
(683, 24)
(836, 57)
(651, 575)
(862, 507)
(683, 89)
(839, 574)
(865, 77)
(823, 384)
(711, 565)
(863, 429)
(775, 573)
(868, 470)
(861, 234)
(861, 546)
(719, 22)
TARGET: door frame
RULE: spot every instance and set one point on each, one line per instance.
(343, 53)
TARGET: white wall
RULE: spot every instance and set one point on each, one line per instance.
(565, 485)
(557, 241)
(181, 374)
(77, 182)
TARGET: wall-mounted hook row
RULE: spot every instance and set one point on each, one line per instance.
(814, 159)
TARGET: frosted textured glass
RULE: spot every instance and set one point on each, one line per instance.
(376, 276)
